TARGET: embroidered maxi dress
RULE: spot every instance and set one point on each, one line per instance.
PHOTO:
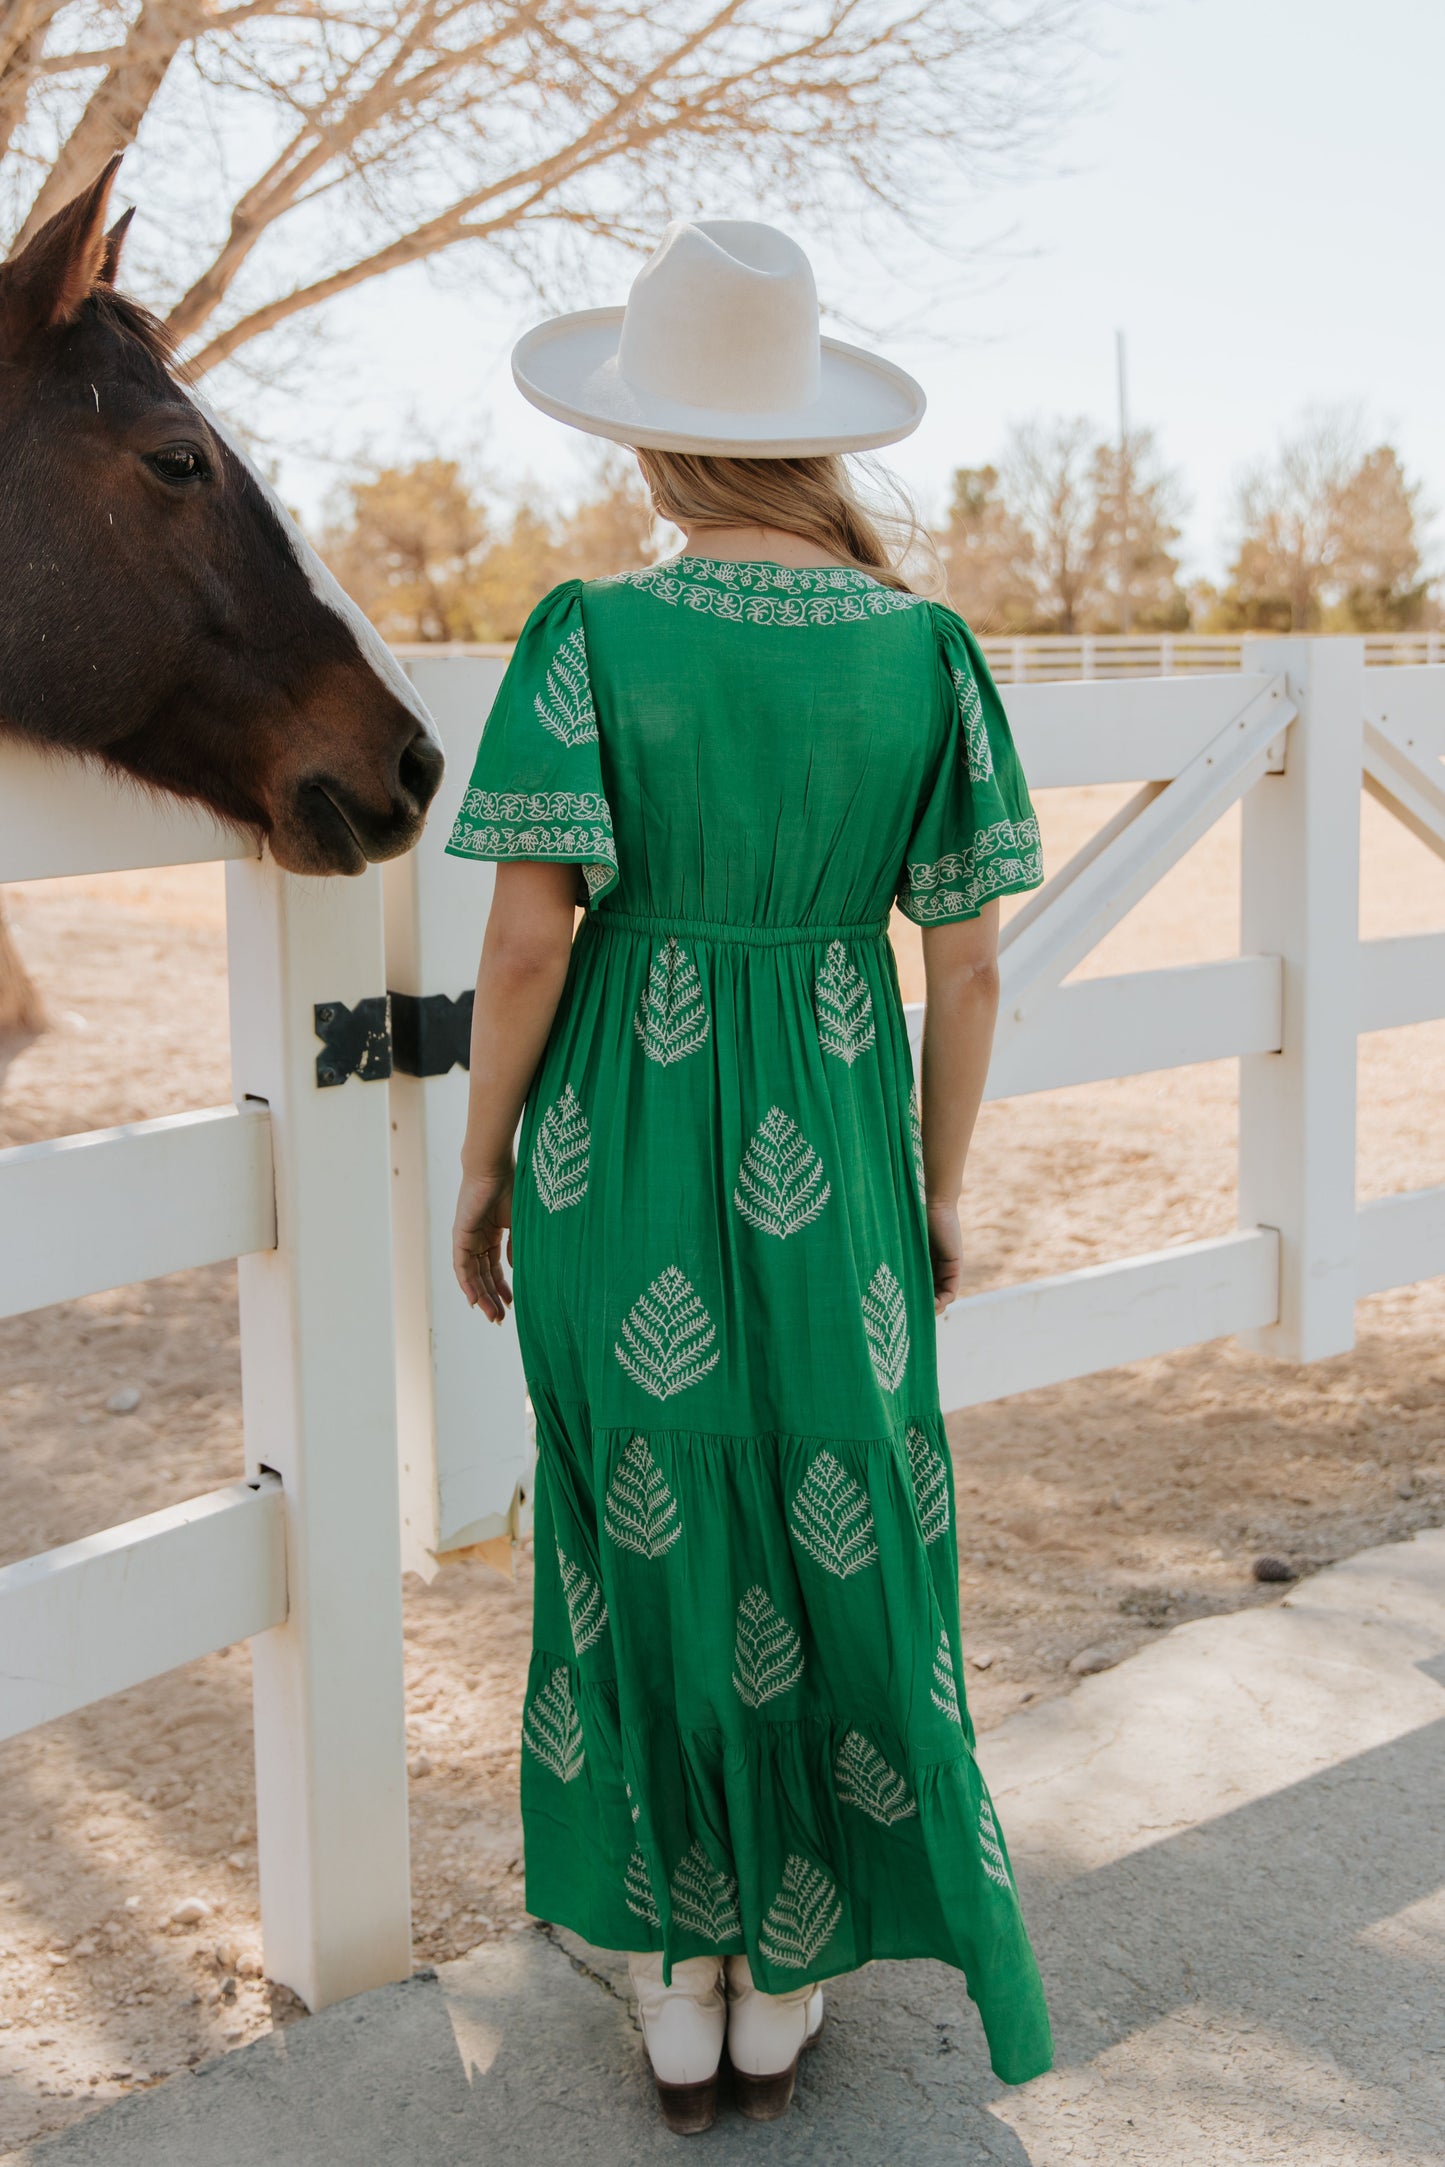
(745, 1725)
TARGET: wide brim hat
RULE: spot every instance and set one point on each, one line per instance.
(717, 351)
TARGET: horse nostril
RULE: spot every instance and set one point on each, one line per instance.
(419, 769)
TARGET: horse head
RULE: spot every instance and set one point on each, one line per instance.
(159, 610)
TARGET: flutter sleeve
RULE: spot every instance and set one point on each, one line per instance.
(536, 789)
(975, 835)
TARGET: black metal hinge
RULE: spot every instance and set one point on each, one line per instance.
(414, 1034)
(431, 1032)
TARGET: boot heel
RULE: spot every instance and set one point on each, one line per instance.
(764, 2099)
(688, 2109)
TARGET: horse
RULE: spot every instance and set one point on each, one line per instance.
(159, 611)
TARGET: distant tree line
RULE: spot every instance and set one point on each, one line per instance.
(430, 555)
(1073, 533)
(1068, 532)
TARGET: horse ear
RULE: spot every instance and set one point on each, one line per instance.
(48, 283)
(114, 242)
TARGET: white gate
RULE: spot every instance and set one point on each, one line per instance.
(301, 1556)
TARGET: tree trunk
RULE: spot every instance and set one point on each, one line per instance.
(22, 1012)
(112, 118)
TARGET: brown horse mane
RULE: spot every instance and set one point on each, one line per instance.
(118, 312)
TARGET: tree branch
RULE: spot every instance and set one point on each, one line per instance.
(111, 120)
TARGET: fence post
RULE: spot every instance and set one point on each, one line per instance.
(462, 1396)
(1299, 900)
(318, 1383)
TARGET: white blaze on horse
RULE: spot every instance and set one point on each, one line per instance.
(158, 609)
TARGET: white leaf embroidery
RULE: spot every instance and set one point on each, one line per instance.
(641, 1512)
(705, 1900)
(633, 1807)
(801, 1917)
(672, 1019)
(885, 1320)
(781, 1185)
(865, 1780)
(843, 1006)
(552, 1728)
(944, 1690)
(833, 1519)
(638, 1889)
(564, 706)
(767, 1654)
(666, 1337)
(930, 1484)
(994, 1864)
(915, 1138)
(562, 1153)
(586, 1607)
(975, 734)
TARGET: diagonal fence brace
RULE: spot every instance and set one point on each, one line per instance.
(1407, 786)
(1072, 914)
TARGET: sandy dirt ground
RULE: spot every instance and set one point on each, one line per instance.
(1091, 1514)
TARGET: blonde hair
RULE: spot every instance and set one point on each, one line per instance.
(816, 497)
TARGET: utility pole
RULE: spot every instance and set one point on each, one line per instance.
(1126, 598)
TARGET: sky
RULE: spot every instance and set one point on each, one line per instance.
(1253, 197)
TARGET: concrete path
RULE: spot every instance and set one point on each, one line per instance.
(1232, 1851)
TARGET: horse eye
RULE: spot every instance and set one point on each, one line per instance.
(179, 464)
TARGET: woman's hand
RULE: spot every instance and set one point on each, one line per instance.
(484, 1216)
(945, 1247)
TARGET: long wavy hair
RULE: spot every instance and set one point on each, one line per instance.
(877, 532)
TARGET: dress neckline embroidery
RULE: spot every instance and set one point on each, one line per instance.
(756, 591)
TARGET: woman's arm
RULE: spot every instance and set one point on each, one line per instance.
(960, 965)
(519, 983)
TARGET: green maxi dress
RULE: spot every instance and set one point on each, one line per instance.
(745, 1725)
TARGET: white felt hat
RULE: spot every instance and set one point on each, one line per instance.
(717, 350)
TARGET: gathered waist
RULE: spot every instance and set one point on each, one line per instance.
(741, 936)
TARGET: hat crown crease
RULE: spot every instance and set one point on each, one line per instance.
(724, 315)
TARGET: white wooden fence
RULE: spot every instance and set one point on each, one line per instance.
(1048, 657)
(296, 1179)
(300, 1556)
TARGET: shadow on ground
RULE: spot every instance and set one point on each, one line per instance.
(1262, 1985)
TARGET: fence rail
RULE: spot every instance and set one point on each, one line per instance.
(359, 1362)
(1047, 658)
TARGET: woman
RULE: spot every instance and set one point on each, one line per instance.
(748, 1758)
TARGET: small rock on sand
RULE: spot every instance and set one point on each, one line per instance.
(125, 1401)
(1090, 1660)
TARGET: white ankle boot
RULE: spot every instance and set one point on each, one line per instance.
(684, 2026)
(767, 2033)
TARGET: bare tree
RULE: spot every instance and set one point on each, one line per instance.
(1385, 584)
(1048, 540)
(405, 542)
(987, 554)
(1287, 524)
(427, 560)
(1047, 476)
(1328, 534)
(1133, 568)
(397, 130)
